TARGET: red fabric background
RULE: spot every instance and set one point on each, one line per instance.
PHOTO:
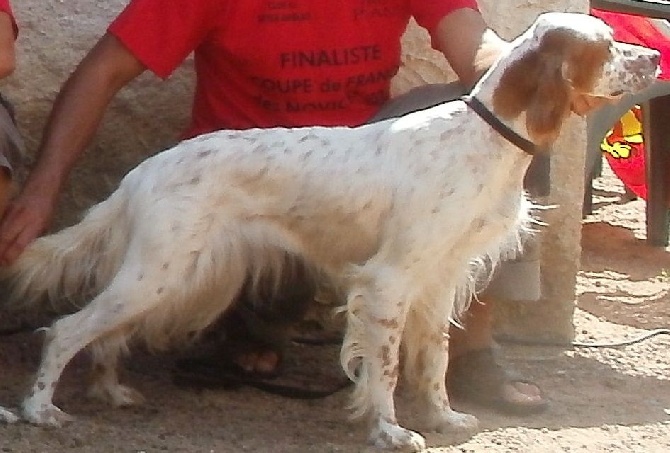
(634, 30)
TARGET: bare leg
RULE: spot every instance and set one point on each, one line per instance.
(476, 333)
(474, 373)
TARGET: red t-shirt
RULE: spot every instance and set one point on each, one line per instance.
(7, 8)
(278, 62)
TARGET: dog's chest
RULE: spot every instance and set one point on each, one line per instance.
(477, 205)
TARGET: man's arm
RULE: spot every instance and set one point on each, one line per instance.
(470, 45)
(74, 119)
(7, 51)
(462, 37)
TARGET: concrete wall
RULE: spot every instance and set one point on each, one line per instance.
(146, 117)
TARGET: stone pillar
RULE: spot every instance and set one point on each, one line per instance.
(549, 319)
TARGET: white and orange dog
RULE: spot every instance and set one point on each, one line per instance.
(402, 213)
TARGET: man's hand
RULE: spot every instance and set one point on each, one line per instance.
(25, 219)
(74, 119)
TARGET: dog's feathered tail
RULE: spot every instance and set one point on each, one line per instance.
(67, 267)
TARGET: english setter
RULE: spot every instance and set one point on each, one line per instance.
(401, 213)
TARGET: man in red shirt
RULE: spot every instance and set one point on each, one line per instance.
(261, 64)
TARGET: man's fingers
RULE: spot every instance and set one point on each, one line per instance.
(19, 227)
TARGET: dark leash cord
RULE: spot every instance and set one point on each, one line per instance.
(25, 328)
(188, 373)
(592, 344)
(616, 344)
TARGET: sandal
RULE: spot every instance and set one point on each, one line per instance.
(477, 377)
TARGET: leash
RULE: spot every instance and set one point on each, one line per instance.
(616, 344)
(500, 127)
(595, 344)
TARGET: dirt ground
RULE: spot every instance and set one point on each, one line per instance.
(602, 399)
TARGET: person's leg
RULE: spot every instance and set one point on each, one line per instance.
(475, 374)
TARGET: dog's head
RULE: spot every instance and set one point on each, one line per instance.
(563, 55)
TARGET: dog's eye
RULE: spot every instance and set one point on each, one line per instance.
(616, 93)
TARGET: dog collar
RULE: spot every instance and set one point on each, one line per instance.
(500, 127)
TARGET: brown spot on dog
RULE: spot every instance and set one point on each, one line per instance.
(384, 355)
(388, 323)
(421, 362)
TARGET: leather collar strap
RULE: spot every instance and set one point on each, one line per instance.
(500, 127)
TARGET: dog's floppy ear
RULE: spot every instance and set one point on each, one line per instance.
(540, 82)
(535, 84)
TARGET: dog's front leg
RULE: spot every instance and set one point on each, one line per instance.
(376, 312)
(426, 355)
(426, 347)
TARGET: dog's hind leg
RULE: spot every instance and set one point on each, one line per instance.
(130, 298)
(108, 312)
(426, 357)
(105, 384)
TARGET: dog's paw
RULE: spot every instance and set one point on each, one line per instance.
(7, 416)
(450, 421)
(391, 436)
(116, 395)
(44, 414)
